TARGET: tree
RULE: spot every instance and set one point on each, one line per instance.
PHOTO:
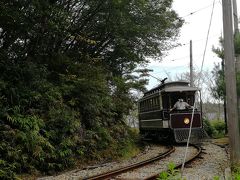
(67, 71)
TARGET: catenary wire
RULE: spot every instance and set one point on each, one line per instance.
(194, 12)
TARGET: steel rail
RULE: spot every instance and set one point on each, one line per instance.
(116, 172)
(199, 150)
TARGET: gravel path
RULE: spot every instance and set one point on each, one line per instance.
(213, 163)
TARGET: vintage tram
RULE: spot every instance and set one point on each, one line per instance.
(156, 120)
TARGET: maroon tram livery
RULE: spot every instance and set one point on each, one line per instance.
(158, 119)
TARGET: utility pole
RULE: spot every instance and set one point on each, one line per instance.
(230, 80)
(237, 56)
(235, 16)
(191, 65)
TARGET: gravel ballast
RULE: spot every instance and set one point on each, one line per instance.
(213, 162)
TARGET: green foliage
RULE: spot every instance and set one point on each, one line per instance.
(67, 75)
(236, 173)
(216, 178)
(106, 143)
(214, 128)
(219, 126)
(218, 90)
(238, 82)
(172, 173)
(7, 171)
(163, 176)
(208, 127)
(237, 43)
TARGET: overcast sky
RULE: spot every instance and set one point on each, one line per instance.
(196, 14)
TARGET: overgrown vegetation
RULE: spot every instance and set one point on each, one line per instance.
(218, 89)
(67, 75)
(236, 173)
(214, 128)
(171, 173)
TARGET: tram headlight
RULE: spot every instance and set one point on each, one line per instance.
(186, 120)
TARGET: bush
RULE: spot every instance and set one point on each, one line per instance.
(215, 128)
(219, 126)
(208, 127)
(118, 141)
(236, 173)
(7, 170)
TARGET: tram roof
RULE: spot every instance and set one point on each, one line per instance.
(179, 89)
(174, 86)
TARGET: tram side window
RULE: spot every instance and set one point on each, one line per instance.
(150, 104)
(165, 101)
(142, 106)
(190, 100)
(156, 104)
(145, 105)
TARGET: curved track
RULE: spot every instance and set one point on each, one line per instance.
(116, 172)
(144, 164)
(190, 159)
(134, 168)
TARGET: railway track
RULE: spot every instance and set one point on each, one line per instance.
(116, 172)
(149, 169)
(179, 165)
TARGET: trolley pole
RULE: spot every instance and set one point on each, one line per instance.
(191, 65)
(230, 80)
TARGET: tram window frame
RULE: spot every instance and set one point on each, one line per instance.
(166, 103)
(156, 102)
(151, 103)
(160, 101)
(141, 106)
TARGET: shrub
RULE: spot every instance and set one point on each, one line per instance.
(236, 172)
(172, 173)
(214, 128)
(7, 171)
(208, 127)
(118, 141)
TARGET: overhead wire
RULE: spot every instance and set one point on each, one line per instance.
(185, 57)
(197, 40)
(190, 128)
(185, 44)
(203, 8)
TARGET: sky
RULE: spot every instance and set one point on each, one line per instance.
(196, 14)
